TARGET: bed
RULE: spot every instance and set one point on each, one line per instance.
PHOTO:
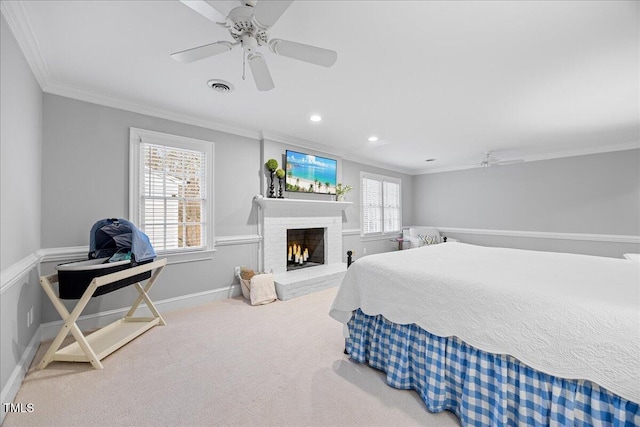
(500, 336)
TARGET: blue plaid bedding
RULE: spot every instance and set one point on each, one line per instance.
(482, 389)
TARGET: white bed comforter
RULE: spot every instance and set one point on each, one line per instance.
(572, 316)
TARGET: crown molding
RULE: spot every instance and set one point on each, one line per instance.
(358, 159)
(302, 143)
(547, 156)
(20, 26)
(134, 107)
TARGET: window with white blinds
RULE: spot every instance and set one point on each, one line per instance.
(171, 190)
(381, 205)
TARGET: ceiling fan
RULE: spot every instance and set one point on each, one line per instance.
(490, 160)
(249, 24)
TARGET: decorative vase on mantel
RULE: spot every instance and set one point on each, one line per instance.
(272, 166)
(280, 174)
(341, 192)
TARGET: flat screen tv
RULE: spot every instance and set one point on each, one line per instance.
(310, 174)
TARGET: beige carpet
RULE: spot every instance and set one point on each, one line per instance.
(225, 363)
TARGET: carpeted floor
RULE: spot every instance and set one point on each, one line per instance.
(225, 363)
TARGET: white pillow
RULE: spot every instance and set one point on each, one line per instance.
(428, 235)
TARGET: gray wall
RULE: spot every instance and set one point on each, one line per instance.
(86, 178)
(590, 194)
(86, 169)
(20, 154)
(21, 134)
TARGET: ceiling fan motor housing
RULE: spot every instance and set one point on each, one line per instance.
(241, 18)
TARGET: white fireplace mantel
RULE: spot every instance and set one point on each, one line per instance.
(312, 205)
(276, 216)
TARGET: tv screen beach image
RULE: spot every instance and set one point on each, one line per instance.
(310, 174)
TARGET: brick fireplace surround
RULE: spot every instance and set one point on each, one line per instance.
(278, 215)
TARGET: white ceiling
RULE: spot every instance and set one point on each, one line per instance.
(432, 79)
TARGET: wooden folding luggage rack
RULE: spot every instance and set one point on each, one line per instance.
(101, 343)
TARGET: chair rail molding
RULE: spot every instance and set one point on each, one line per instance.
(614, 238)
(12, 274)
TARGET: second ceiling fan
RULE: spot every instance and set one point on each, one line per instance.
(249, 24)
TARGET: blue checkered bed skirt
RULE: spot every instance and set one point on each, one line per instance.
(482, 389)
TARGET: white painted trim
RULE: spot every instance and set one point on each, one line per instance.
(238, 240)
(302, 143)
(68, 253)
(376, 237)
(10, 390)
(88, 95)
(73, 253)
(12, 274)
(545, 156)
(20, 26)
(137, 137)
(351, 232)
(612, 238)
(98, 320)
(312, 205)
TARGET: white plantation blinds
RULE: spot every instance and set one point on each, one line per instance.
(391, 204)
(371, 204)
(172, 193)
(381, 210)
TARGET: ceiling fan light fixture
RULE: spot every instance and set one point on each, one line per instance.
(315, 118)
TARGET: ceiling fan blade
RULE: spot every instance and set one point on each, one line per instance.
(304, 52)
(201, 52)
(207, 10)
(260, 72)
(508, 162)
(266, 13)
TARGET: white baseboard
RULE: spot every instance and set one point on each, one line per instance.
(10, 390)
(98, 320)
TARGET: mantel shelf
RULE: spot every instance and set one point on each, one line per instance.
(270, 203)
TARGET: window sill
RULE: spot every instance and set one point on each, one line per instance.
(374, 237)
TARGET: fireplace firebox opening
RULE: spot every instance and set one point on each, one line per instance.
(305, 247)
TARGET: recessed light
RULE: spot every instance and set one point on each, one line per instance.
(315, 118)
(430, 160)
(373, 138)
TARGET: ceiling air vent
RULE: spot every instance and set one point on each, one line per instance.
(220, 86)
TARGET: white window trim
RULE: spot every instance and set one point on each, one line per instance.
(379, 235)
(136, 136)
